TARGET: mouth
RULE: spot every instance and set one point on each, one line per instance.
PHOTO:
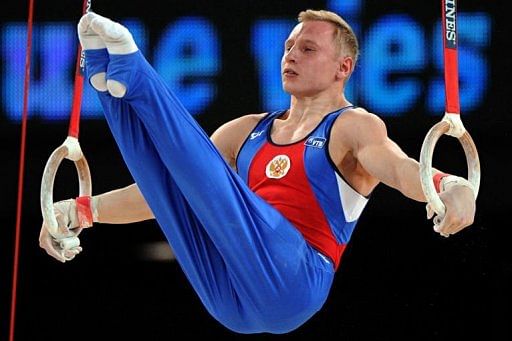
(289, 72)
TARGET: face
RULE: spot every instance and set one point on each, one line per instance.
(311, 63)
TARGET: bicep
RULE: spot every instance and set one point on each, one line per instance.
(221, 140)
(228, 138)
(381, 157)
(383, 160)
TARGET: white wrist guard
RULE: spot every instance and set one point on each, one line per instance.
(452, 180)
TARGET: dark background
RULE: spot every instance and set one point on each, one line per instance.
(398, 279)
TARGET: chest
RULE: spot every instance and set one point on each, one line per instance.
(292, 165)
(274, 147)
(285, 134)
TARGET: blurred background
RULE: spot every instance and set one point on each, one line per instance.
(398, 278)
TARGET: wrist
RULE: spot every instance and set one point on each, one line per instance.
(449, 181)
(94, 209)
(86, 210)
(437, 178)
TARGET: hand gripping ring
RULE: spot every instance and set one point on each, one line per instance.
(70, 149)
(427, 150)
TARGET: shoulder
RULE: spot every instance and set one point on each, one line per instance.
(248, 121)
(358, 123)
(230, 136)
(360, 115)
(240, 126)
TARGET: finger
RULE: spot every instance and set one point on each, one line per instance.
(438, 223)
(73, 251)
(436, 229)
(52, 249)
(70, 254)
(444, 228)
(69, 247)
(69, 243)
(430, 211)
(439, 227)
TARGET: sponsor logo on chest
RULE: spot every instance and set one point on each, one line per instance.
(256, 134)
(315, 141)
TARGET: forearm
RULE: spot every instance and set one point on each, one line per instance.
(410, 180)
(122, 206)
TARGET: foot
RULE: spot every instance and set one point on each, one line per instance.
(97, 32)
(115, 36)
(89, 40)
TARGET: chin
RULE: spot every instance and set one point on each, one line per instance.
(298, 93)
(292, 90)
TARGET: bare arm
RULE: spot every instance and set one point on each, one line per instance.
(229, 137)
(384, 160)
(122, 206)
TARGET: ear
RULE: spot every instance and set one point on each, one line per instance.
(345, 65)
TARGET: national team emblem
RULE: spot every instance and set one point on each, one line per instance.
(278, 167)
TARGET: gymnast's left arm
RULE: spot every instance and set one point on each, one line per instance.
(385, 160)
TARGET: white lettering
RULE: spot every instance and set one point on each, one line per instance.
(450, 21)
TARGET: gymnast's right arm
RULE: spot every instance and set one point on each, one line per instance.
(127, 205)
(121, 206)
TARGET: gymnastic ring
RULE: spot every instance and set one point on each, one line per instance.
(427, 151)
(71, 150)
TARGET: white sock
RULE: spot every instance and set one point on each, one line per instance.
(116, 37)
(89, 39)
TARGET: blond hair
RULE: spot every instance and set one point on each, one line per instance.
(344, 36)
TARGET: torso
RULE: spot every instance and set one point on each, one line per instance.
(293, 171)
(339, 147)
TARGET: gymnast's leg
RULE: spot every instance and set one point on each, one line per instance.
(264, 260)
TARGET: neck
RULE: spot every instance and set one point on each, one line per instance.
(315, 106)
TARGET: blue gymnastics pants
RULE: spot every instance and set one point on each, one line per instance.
(251, 268)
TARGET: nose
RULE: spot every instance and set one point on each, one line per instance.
(290, 55)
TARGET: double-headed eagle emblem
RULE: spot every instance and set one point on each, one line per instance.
(278, 167)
